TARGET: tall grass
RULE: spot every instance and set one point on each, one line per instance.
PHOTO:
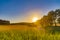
(28, 35)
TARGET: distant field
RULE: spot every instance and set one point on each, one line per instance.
(16, 27)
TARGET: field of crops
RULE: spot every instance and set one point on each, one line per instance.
(27, 35)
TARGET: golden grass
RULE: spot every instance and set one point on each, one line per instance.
(16, 27)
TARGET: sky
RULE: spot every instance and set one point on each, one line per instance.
(25, 10)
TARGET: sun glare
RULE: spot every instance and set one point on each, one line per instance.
(34, 19)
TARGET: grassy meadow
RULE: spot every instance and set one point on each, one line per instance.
(20, 32)
(16, 27)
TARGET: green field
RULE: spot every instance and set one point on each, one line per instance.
(11, 33)
(27, 35)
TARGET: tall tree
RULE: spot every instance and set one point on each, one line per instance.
(52, 17)
(58, 20)
(44, 21)
(57, 11)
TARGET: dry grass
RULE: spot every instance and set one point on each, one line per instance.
(16, 27)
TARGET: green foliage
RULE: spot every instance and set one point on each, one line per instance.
(53, 29)
(28, 35)
(51, 18)
(58, 20)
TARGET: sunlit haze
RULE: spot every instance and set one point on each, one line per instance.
(25, 10)
(34, 19)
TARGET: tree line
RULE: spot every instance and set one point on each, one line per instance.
(53, 17)
(4, 22)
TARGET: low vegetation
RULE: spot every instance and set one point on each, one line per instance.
(28, 35)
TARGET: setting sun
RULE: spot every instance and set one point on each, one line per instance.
(34, 19)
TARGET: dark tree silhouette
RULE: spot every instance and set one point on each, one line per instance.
(4, 22)
(52, 15)
(51, 18)
(58, 20)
